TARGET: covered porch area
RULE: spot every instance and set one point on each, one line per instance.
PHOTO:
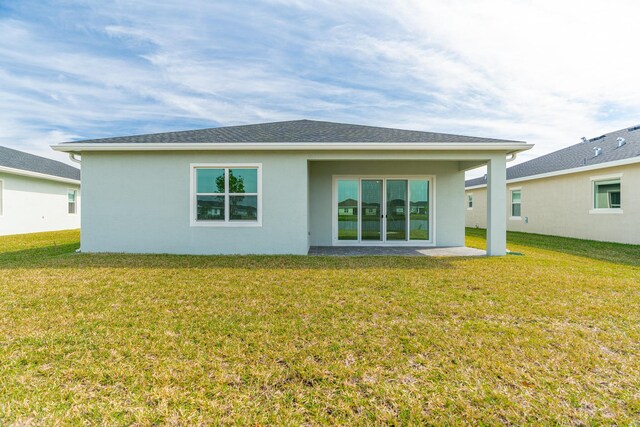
(394, 205)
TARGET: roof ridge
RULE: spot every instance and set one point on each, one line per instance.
(578, 144)
(194, 130)
(288, 132)
(577, 155)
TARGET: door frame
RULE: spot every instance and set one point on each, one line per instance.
(384, 242)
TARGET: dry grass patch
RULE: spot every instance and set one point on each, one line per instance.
(545, 338)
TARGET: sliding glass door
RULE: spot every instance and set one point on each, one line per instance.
(419, 209)
(348, 198)
(394, 210)
(371, 218)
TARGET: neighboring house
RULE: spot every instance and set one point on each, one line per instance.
(589, 191)
(293, 181)
(348, 207)
(420, 207)
(37, 194)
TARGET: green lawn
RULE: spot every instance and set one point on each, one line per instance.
(551, 337)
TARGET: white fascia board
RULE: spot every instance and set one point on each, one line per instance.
(473, 187)
(296, 146)
(31, 174)
(606, 165)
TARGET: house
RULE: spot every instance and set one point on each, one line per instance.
(300, 184)
(37, 194)
(348, 207)
(588, 191)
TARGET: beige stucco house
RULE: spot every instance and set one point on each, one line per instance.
(590, 190)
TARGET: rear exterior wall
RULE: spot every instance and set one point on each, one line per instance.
(139, 202)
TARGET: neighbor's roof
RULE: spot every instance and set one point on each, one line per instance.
(296, 131)
(15, 159)
(577, 156)
(348, 203)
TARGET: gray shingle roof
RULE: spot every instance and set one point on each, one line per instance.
(291, 132)
(578, 155)
(28, 162)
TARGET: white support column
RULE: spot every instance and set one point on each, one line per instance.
(497, 206)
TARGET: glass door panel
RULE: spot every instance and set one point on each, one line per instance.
(371, 215)
(419, 209)
(396, 209)
(347, 209)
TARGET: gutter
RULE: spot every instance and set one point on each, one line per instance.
(79, 147)
(31, 174)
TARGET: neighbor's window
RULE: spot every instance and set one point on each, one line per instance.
(71, 196)
(1, 195)
(227, 195)
(516, 200)
(469, 201)
(607, 194)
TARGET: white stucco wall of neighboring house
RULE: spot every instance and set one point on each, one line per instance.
(30, 205)
(563, 206)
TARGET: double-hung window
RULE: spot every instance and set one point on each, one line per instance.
(469, 201)
(516, 203)
(606, 194)
(226, 195)
(71, 201)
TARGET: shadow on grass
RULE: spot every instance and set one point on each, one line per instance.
(38, 253)
(64, 256)
(617, 253)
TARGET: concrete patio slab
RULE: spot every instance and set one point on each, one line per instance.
(456, 251)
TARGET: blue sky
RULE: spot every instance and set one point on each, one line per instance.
(547, 72)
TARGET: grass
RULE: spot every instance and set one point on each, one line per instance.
(617, 253)
(551, 337)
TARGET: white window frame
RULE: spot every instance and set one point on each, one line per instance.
(594, 180)
(226, 223)
(511, 190)
(1, 197)
(469, 199)
(75, 201)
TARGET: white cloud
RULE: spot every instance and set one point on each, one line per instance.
(542, 71)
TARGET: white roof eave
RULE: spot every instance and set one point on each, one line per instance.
(298, 146)
(31, 174)
(604, 165)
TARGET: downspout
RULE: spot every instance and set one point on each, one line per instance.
(73, 158)
(511, 157)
